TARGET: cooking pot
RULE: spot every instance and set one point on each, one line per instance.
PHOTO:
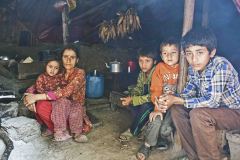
(115, 66)
(4, 58)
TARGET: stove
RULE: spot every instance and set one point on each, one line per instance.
(7, 96)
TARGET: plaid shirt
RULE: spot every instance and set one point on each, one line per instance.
(218, 85)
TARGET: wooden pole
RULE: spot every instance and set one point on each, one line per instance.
(205, 13)
(187, 25)
(65, 25)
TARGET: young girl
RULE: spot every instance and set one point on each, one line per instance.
(48, 81)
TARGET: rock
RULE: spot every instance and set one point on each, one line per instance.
(9, 109)
(24, 111)
(22, 128)
(36, 149)
(2, 147)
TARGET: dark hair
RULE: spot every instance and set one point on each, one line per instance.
(170, 41)
(71, 47)
(146, 52)
(53, 59)
(201, 37)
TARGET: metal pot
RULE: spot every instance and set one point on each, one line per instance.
(115, 66)
(4, 58)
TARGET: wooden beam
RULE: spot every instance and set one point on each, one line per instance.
(65, 25)
(187, 25)
(182, 78)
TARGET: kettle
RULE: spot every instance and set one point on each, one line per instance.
(115, 66)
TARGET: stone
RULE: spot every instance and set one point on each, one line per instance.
(9, 109)
(22, 128)
(2, 147)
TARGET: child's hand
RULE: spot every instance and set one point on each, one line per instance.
(126, 101)
(156, 103)
(153, 115)
(158, 106)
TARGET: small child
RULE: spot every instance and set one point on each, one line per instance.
(164, 80)
(139, 101)
(48, 81)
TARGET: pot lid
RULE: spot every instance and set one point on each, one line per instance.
(115, 62)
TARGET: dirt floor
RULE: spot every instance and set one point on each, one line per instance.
(103, 143)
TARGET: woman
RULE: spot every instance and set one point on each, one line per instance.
(70, 99)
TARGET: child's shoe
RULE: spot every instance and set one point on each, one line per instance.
(80, 138)
(162, 145)
(61, 136)
(125, 136)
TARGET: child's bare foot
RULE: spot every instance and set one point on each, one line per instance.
(143, 152)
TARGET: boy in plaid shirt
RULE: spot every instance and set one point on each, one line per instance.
(210, 100)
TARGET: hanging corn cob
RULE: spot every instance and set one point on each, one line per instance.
(127, 23)
(107, 30)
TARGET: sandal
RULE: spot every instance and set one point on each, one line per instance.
(143, 152)
(162, 145)
(124, 145)
(61, 136)
(80, 138)
(47, 133)
(125, 136)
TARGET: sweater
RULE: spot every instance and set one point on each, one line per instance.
(137, 93)
(164, 80)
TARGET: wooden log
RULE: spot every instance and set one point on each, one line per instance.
(65, 25)
(187, 25)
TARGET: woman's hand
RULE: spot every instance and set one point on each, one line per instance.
(32, 107)
(29, 99)
(126, 101)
